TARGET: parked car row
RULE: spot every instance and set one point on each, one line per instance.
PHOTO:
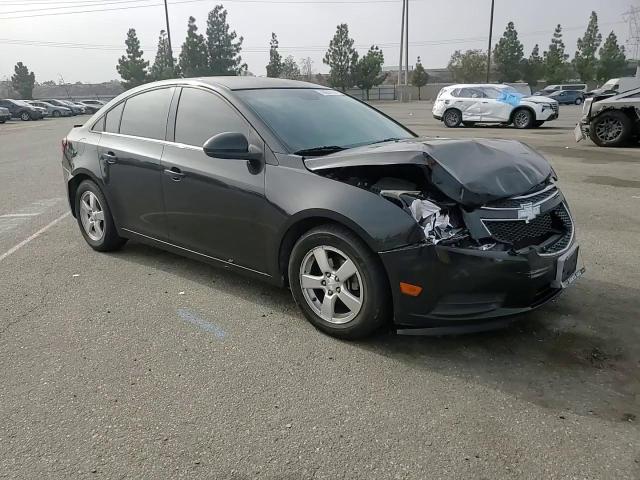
(37, 109)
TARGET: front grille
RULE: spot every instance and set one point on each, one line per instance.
(554, 106)
(518, 201)
(552, 230)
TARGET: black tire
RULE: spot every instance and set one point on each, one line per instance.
(469, 124)
(452, 118)
(538, 123)
(110, 239)
(578, 101)
(523, 118)
(374, 288)
(25, 116)
(611, 129)
(56, 113)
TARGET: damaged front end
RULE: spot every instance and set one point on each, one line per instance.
(498, 236)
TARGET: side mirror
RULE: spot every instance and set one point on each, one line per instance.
(232, 145)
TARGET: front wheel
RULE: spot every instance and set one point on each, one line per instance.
(523, 118)
(56, 113)
(94, 218)
(339, 283)
(452, 118)
(24, 116)
(578, 101)
(611, 129)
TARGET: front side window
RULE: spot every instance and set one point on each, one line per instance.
(312, 118)
(145, 114)
(202, 114)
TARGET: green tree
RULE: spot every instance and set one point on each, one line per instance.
(132, 67)
(419, 77)
(368, 70)
(274, 68)
(164, 65)
(508, 54)
(467, 67)
(533, 67)
(193, 56)
(585, 61)
(341, 58)
(290, 69)
(23, 81)
(223, 45)
(612, 59)
(556, 68)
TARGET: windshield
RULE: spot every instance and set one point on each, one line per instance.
(306, 119)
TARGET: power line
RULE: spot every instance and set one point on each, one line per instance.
(259, 49)
(266, 2)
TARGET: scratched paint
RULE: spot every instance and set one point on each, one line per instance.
(194, 319)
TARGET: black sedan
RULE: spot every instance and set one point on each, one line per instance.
(299, 185)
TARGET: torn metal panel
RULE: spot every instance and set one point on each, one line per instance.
(471, 172)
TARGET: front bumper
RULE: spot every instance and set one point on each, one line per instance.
(467, 290)
(5, 118)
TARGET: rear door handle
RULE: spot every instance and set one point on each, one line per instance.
(110, 157)
(175, 173)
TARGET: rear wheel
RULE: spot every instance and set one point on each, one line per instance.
(56, 113)
(338, 282)
(578, 101)
(94, 218)
(452, 118)
(523, 118)
(611, 129)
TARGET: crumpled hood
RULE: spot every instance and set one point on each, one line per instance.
(539, 99)
(472, 172)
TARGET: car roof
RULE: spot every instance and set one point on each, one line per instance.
(252, 83)
(479, 85)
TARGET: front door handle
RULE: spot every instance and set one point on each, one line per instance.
(110, 157)
(175, 173)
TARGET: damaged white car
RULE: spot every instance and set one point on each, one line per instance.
(490, 103)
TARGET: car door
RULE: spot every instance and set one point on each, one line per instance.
(495, 106)
(213, 206)
(469, 102)
(130, 150)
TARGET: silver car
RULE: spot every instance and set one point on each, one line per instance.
(52, 110)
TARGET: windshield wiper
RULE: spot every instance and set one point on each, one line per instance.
(324, 150)
(390, 139)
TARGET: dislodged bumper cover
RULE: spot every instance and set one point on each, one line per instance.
(471, 172)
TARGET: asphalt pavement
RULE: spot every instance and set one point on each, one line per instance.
(143, 364)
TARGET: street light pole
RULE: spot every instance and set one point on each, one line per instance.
(401, 44)
(406, 47)
(490, 35)
(166, 16)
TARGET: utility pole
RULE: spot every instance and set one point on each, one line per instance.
(490, 35)
(406, 48)
(401, 43)
(166, 16)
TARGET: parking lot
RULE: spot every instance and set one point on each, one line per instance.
(143, 364)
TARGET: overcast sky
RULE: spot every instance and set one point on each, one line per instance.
(304, 28)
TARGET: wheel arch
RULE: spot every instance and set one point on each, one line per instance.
(304, 222)
(523, 107)
(74, 182)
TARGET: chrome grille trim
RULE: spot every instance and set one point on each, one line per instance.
(550, 188)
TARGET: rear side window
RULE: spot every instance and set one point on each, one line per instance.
(202, 114)
(112, 122)
(145, 115)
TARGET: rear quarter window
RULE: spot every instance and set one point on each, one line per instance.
(112, 119)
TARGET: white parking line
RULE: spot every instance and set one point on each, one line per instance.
(17, 247)
(12, 215)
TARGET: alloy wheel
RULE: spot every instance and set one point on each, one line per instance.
(331, 284)
(609, 129)
(521, 119)
(24, 116)
(92, 216)
(451, 118)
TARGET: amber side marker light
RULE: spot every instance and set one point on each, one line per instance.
(409, 289)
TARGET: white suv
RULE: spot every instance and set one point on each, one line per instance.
(490, 103)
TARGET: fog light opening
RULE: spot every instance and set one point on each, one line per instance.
(410, 289)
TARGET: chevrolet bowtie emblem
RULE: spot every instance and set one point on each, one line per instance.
(528, 212)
